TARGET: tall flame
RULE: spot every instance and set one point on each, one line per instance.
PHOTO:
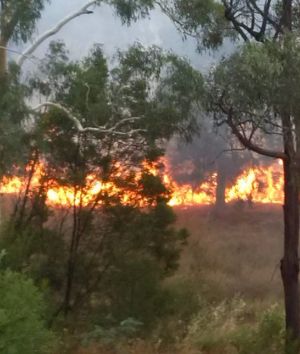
(259, 184)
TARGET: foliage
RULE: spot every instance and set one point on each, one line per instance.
(140, 250)
(144, 82)
(211, 23)
(237, 326)
(12, 112)
(123, 331)
(152, 231)
(134, 289)
(173, 306)
(246, 92)
(204, 20)
(19, 17)
(123, 243)
(129, 10)
(275, 64)
(23, 328)
(39, 253)
(268, 334)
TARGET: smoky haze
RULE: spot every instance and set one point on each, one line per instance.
(191, 162)
(105, 28)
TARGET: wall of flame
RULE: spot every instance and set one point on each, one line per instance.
(258, 184)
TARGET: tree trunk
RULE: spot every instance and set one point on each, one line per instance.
(69, 287)
(220, 191)
(3, 57)
(71, 261)
(290, 260)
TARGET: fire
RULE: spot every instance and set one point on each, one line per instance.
(66, 196)
(259, 184)
(185, 195)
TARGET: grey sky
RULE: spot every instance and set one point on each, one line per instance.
(105, 28)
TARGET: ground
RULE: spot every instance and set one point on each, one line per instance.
(236, 253)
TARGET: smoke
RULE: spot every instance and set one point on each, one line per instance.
(213, 150)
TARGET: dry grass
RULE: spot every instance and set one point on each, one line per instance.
(238, 252)
(139, 347)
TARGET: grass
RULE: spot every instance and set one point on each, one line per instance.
(237, 253)
(232, 257)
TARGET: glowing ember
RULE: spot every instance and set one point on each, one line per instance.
(256, 184)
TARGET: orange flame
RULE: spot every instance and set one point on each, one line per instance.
(260, 184)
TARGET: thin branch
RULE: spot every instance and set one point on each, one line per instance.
(179, 25)
(17, 52)
(230, 17)
(82, 11)
(265, 17)
(124, 121)
(249, 144)
(243, 148)
(266, 14)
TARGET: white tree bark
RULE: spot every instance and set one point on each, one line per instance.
(82, 11)
(106, 129)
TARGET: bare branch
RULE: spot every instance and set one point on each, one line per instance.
(58, 106)
(124, 121)
(82, 11)
(230, 17)
(219, 155)
(249, 144)
(101, 129)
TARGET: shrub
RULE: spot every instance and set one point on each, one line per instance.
(22, 325)
(38, 253)
(133, 290)
(238, 327)
(267, 336)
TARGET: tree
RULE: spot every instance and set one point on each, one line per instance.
(253, 110)
(114, 121)
(248, 102)
(17, 24)
(13, 110)
(130, 110)
(213, 151)
(18, 21)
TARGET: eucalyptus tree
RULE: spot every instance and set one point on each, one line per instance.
(101, 122)
(18, 20)
(255, 92)
(17, 24)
